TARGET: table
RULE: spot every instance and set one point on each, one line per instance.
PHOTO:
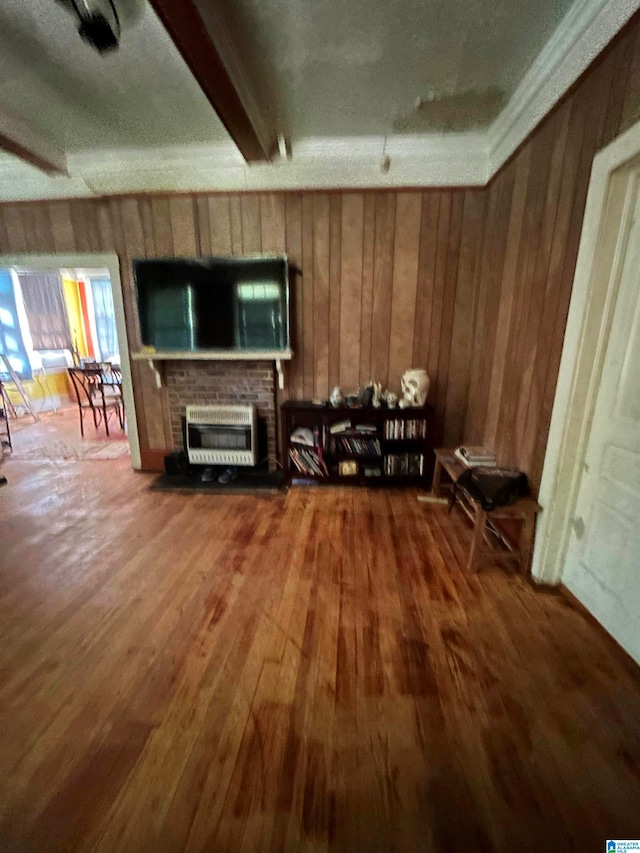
(523, 510)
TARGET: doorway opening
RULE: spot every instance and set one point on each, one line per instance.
(64, 360)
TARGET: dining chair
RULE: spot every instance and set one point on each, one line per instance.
(90, 396)
(111, 387)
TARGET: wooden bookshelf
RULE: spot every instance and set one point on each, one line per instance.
(396, 450)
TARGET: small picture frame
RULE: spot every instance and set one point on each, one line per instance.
(348, 468)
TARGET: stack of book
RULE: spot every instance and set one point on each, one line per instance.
(403, 464)
(308, 462)
(471, 457)
(360, 446)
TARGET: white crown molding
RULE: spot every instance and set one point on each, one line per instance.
(326, 163)
(583, 33)
(470, 159)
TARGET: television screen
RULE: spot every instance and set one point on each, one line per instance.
(213, 304)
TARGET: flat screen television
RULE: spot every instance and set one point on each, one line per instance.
(214, 304)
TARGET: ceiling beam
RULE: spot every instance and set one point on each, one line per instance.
(18, 138)
(215, 65)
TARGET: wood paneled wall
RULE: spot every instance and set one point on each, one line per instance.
(535, 209)
(386, 281)
(474, 285)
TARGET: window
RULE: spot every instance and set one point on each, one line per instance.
(105, 318)
(11, 341)
(46, 312)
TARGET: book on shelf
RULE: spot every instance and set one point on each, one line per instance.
(308, 462)
(405, 428)
(471, 456)
(359, 446)
(404, 464)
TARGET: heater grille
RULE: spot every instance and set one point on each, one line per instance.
(225, 415)
(221, 457)
(222, 435)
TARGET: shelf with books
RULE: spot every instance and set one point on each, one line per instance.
(362, 445)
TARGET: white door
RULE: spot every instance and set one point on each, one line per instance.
(603, 560)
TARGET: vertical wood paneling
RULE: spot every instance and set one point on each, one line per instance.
(105, 226)
(4, 239)
(202, 221)
(16, 237)
(448, 307)
(82, 225)
(321, 274)
(437, 299)
(307, 349)
(620, 58)
(505, 311)
(405, 282)
(220, 221)
(526, 412)
(426, 277)
(351, 289)
(251, 228)
(382, 284)
(235, 214)
(534, 301)
(161, 234)
(64, 239)
(145, 206)
(293, 236)
(335, 286)
(471, 234)
(272, 222)
(183, 226)
(368, 246)
(43, 230)
(152, 411)
(631, 104)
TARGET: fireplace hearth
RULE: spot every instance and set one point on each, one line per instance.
(211, 383)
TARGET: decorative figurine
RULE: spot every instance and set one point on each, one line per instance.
(336, 399)
(392, 399)
(377, 391)
(415, 387)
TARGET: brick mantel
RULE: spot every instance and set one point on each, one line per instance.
(223, 382)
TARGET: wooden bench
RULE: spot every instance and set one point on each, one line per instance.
(524, 511)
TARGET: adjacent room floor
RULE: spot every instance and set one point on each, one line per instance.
(56, 437)
(303, 672)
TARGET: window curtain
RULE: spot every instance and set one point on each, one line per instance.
(11, 342)
(105, 317)
(46, 312)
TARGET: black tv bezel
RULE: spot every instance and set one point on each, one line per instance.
(227, 352)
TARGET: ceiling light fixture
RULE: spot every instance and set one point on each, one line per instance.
(99, 22)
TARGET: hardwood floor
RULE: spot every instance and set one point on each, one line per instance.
(308, 672)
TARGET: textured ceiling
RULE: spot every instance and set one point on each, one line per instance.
(322, 68)
(335, 68)
(141, 95)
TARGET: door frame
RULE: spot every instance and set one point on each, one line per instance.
(608, 216)
(112, 264)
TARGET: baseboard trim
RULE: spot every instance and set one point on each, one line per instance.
(632, 668)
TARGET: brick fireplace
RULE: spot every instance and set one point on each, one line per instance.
(223, 382)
